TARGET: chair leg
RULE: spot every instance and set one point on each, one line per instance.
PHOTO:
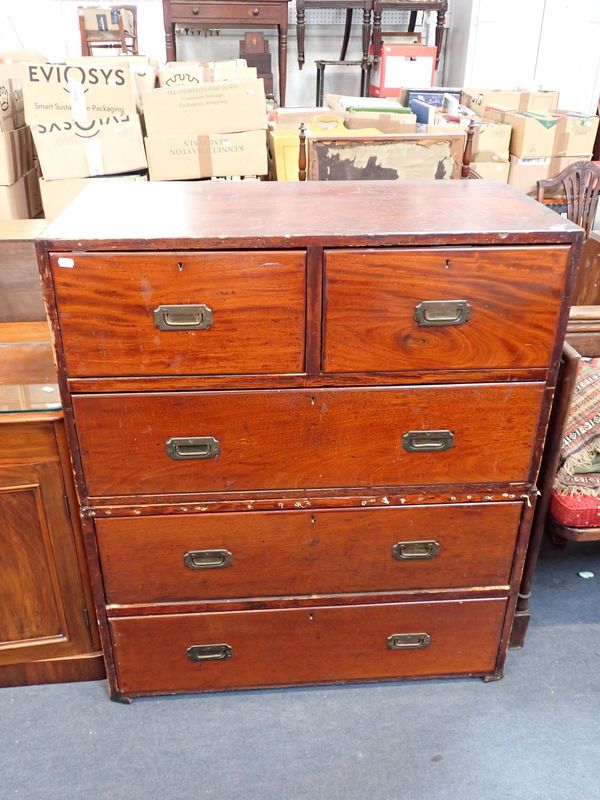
(347, 29)
(320, 84)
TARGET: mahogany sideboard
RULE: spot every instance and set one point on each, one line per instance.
(229, 13)
(47, 627)
(306, 422)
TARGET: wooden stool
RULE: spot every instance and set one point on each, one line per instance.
(322, 63)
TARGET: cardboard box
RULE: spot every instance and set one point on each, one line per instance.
(56, 195)
(225, 107)
(7, 105)
(22, 199)
(432, 95)
(557, 164)
(142, 68)
(237, 154)
(576, 133)
(492, 170)
(479, 99)
(491, 141)
(106, 146)
(533, 135)
(385, 122)
(16, 155)
(402, 65)
(56, 92)
(196, 74)
(173, 158)
(526, 172)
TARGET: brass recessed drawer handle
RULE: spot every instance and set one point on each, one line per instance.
(442, 312)
(180, 448)
(186, 317)
(427, 441)
(415, 551)
(408, 641)
(209, 652)
(207, 559)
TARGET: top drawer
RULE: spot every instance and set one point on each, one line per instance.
(455, 308)
(185, 313)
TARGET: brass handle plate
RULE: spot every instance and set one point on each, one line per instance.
(209, 652)
(442, 312)
(408, 641)
(186, 317)
(415, 551)
(427, 441)
(207, 559)
(180, 448)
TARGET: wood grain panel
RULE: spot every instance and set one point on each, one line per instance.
(41, 599)
(303, 552)
(370, 298)
(257, 301)
(299, 438)
(20, 287)
(317, 645)
(30, 606)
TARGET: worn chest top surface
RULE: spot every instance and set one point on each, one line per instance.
(255, 214)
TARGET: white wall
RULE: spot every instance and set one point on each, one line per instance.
(491, 43)
(549, 44)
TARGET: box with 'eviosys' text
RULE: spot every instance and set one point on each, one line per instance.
(62, 91)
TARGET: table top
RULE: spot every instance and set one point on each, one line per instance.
(256, 214)
(27, 370)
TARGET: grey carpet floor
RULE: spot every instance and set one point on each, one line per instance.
(535, 734)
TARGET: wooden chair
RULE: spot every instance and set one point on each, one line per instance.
(331, 158)
(581, 185)
(108, 27)
(583, 340)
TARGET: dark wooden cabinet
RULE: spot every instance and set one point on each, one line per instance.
(47, 619)
(306, 423)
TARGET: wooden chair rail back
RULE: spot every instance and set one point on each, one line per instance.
(581, 183)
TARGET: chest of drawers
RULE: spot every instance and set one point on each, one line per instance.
(306, 422)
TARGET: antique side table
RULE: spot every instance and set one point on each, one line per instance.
(226, 13)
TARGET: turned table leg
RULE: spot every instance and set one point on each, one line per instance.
(170, 42)
(300, 17)
(439, 35)
(376, 33)
(282, 31)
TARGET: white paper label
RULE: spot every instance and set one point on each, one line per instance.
(68, 263)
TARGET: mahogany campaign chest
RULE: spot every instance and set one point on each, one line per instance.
(306, 422)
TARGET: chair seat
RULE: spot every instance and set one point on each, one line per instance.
(575, 511)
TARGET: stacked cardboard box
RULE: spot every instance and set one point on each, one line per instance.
(177, 74)
(84, 120)
(207, 130)
(575, 137)
(532, 139)
(19, 189)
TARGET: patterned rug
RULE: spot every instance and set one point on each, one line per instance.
(579, 470)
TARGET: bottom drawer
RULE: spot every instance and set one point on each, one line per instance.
(241, 649)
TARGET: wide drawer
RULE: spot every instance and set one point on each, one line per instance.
(222, 12)
(161, 559)
(458, 308)
(181, 313)
(297, 439)
(308, 645)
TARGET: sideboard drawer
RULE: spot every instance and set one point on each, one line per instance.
(299, 439)
(454, 308)
(306, 645)
(277, 553)
(220, 12)
(181, 313)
